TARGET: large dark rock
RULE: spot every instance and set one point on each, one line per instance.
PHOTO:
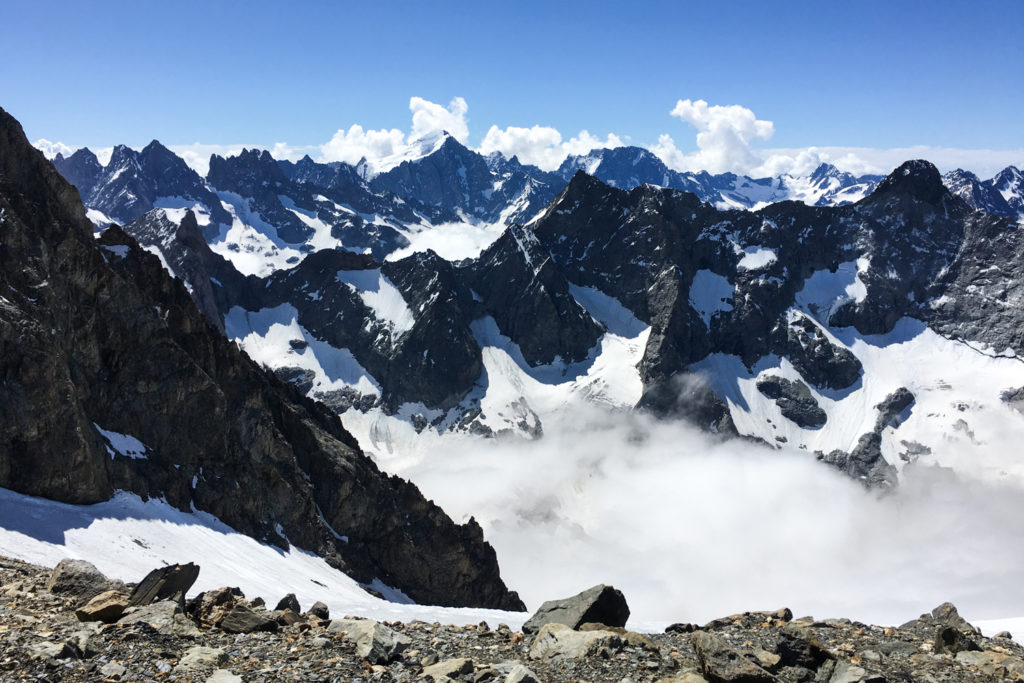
(721, 663)
(94, 334)
(794, 400)
(80, 579)
(243, 619)
(166, 583)
(600, 604)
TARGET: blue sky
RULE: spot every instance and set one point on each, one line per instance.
(864, 74)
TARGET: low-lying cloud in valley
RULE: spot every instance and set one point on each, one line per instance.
(692, 528)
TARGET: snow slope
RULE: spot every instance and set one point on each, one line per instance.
(126, 538)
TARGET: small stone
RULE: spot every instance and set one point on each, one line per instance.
(1005, 635)
(113, 670)
(200, 657)
(448, 669)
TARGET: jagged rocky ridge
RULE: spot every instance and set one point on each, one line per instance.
(112, 379)
(53, 629)
(709, 283)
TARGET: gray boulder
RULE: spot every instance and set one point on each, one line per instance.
(165, 616)
(243, 619)
(80, 579)
(723, 664)
(558, 641)
(200, 657)
(601, 604)
(375, 642)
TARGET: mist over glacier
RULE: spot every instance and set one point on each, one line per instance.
(692, 528)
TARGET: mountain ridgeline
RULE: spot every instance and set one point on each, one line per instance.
(114, 380)
(721, 299)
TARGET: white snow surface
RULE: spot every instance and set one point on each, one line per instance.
(381, 297)
(266, 335)
(450, 241)
(709, 294)
(122, 444)
(756, 258)
(126, 538)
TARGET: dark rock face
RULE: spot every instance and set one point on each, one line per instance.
(211, 280)
(130, 184)
(600, 604)
(529, 299)
(865, 461)
(166, 583)
(462, 182)
(95, 335)
(794, 400)
(818, 360)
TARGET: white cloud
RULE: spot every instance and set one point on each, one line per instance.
(52, 149)
(429, 118)
(354, 144)
(542, 146)
(724, 136)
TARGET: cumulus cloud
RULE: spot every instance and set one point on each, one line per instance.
(354, 144)
(377, 146)
(724, 137)
(429, 118)
(52, 149)
(542, 146)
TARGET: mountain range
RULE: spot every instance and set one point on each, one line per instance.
(612, 280)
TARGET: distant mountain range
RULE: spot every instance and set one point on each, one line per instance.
(612, 280)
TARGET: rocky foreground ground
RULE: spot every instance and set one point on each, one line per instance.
(72, 623)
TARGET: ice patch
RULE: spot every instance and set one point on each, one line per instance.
(122, 444)
(756, 258)
(825, 292)
(710, 294)
(266, 336)
(381, 297)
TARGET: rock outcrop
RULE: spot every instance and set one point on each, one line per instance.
(114, 380)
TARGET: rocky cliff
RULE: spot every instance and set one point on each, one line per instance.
(112, 379)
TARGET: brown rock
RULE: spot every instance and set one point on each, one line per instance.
(107, 607)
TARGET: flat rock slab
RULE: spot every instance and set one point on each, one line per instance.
(242, 619)
(166, 617)
(600, 604)
(722, 664)
(449, 669)
(560, 641)
(200, 657)
(166, 583)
